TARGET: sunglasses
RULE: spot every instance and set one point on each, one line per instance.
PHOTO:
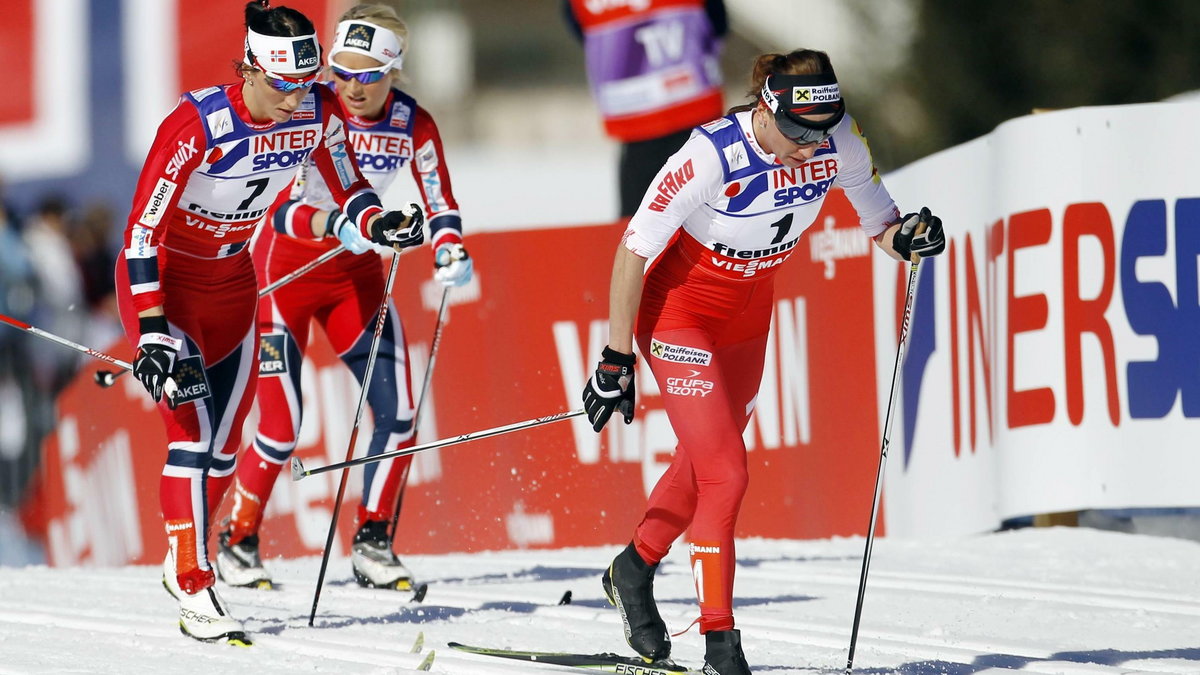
(287, 85)
(363, 76)
(796, 131)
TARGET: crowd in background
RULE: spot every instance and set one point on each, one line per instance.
(56, 273)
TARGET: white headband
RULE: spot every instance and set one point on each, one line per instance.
(363, 37)
(276, 54)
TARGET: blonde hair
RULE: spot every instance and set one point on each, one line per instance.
(384, 16)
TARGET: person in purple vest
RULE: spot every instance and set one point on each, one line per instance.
(655, 74)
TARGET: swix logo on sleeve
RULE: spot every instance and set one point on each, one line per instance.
(670, 185)
(679, 353)
(158, 202)
(183, 152)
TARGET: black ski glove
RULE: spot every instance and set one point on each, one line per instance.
(157, 355)
(610, 388)
(400, 229)
(925, 241)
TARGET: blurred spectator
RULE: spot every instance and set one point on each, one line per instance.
(59, 308)
(654, 71)
(19, 400)
(96, 259)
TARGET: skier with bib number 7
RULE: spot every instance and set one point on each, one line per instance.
(206, 184)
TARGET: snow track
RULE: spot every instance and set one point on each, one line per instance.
(1045, 601)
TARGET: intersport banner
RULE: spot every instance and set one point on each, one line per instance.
(519, 343)
(1055, 359)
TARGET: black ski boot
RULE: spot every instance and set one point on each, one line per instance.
(723, 653)
(629, 584)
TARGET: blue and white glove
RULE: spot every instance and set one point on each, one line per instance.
(452, 265)
(347, 232)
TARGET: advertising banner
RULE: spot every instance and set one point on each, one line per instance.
(519, 343)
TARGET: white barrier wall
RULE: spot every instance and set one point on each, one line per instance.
(1055, 357)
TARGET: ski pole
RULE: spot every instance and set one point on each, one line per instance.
(362, 402)
(107, 378)
(437, 340)
(910, 295)
(298, 470)
(169, 386)
(300, 271)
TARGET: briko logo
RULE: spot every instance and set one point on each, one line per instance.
(359, 36)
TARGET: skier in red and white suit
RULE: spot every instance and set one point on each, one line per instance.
(390, 134)
(724, 213)
(186, 285)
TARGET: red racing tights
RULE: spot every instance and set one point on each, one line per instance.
(210, 304)
(705, 340)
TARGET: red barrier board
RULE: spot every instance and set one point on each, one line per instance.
(519, 343)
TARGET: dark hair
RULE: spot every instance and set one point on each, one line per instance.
(278, 21)
(799, 62)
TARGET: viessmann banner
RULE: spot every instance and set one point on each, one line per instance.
(1052, 366)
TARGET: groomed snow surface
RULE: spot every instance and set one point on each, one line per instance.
(1053, 600)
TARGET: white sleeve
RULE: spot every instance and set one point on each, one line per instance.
(859, 178)
(689, 178)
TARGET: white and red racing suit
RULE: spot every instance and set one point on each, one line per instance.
(724, 215)
(343, 296)
(208, 181)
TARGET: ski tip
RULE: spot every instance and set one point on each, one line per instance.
(418, 644)
(427, 662)
(566, 598)
(419, 593)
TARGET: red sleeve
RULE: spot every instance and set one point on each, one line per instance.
(334, 158)
(177, 150)
(432, 175)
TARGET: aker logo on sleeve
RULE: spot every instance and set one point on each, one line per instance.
(679, 353)
(189, 376)
(272, 355)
